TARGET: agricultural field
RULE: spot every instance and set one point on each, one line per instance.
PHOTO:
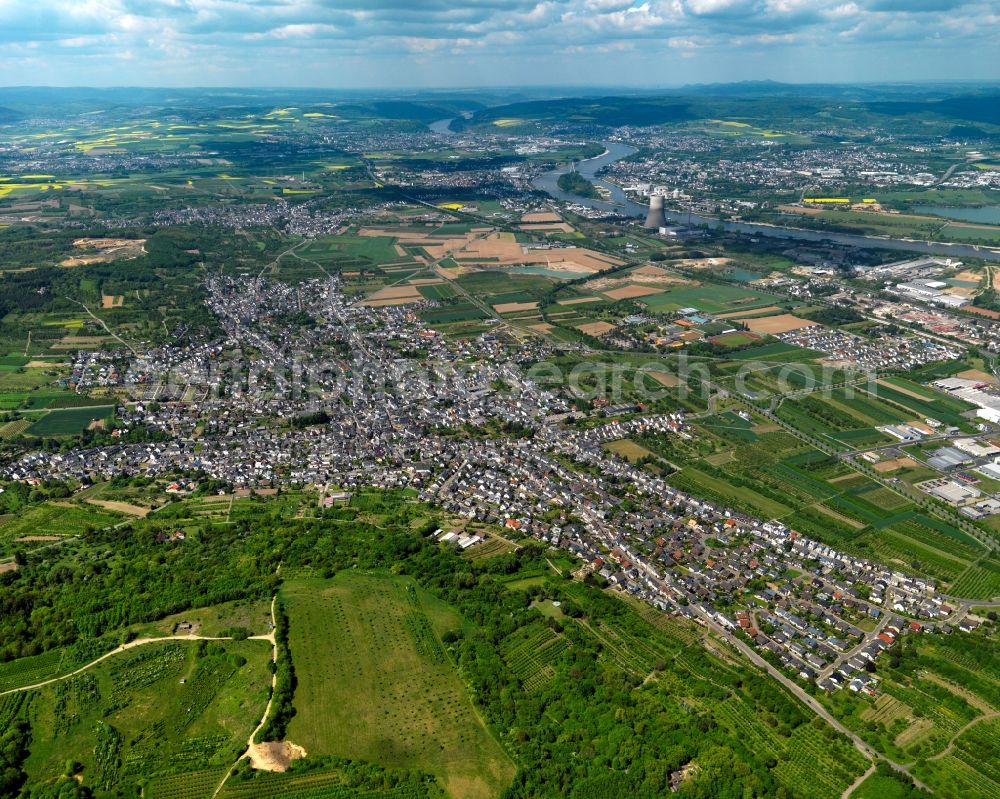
(320, 781)
(51, 521)
(774, 476)
(531, 652)
(938, 702)
(375, 682)
(70, 421)
(158, 708)
(710, 297)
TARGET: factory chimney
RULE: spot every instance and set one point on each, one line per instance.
(655, 219)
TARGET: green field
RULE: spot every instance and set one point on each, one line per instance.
(711, 298)
(52, 519)
(376, 683)
(69, 421)
(159, 708)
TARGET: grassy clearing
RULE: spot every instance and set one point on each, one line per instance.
(70, 421)
(154, 709)
(375, 683)
(51, 519)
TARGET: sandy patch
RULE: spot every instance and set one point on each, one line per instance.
(703, 263)
(541, 327)
(514, 307)
(559, 227)
(988, 312)
(795, 209)
(27, 539)
(595, 328)
(393, 295)
(274, 755)
(393, 292)
(121, 507)
(781, 323)
(631, 292)
(112, 301)
(426, 281)
(9, 566)
(578, 300)
(767, 427)
(665, 379)
(392, 301)
(650, 271)
(891, 466)
(43, 365)
(968, 374)
(754, 312)
(541, 216)
(107, 250)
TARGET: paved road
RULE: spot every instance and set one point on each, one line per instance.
(808, 700)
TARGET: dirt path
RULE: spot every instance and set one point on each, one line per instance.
(110, 332)
(263, 758)
(854, 785)
(951, 744)
(123, 648)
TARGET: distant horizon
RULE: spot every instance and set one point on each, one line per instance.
(749, 83)
(440, 44)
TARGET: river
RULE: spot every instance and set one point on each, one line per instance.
(442, 126)
(620, 204)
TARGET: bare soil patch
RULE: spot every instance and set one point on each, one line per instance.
(968, 374)
(121, 507)
(665, 379)
(541, 216)
(596, 328)
(704, 263)
(780, 323)
(650, 271)
(514, 307)
(893, 465)
(274, 755)
(578, 300)
(393, 295)
(560, 227)
(755, 311)
(631, 292)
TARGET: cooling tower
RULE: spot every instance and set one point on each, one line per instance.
(655, 219)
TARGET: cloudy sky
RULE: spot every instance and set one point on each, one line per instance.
(443, 43)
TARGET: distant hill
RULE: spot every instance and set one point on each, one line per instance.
(610, 111)
(983, 108)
